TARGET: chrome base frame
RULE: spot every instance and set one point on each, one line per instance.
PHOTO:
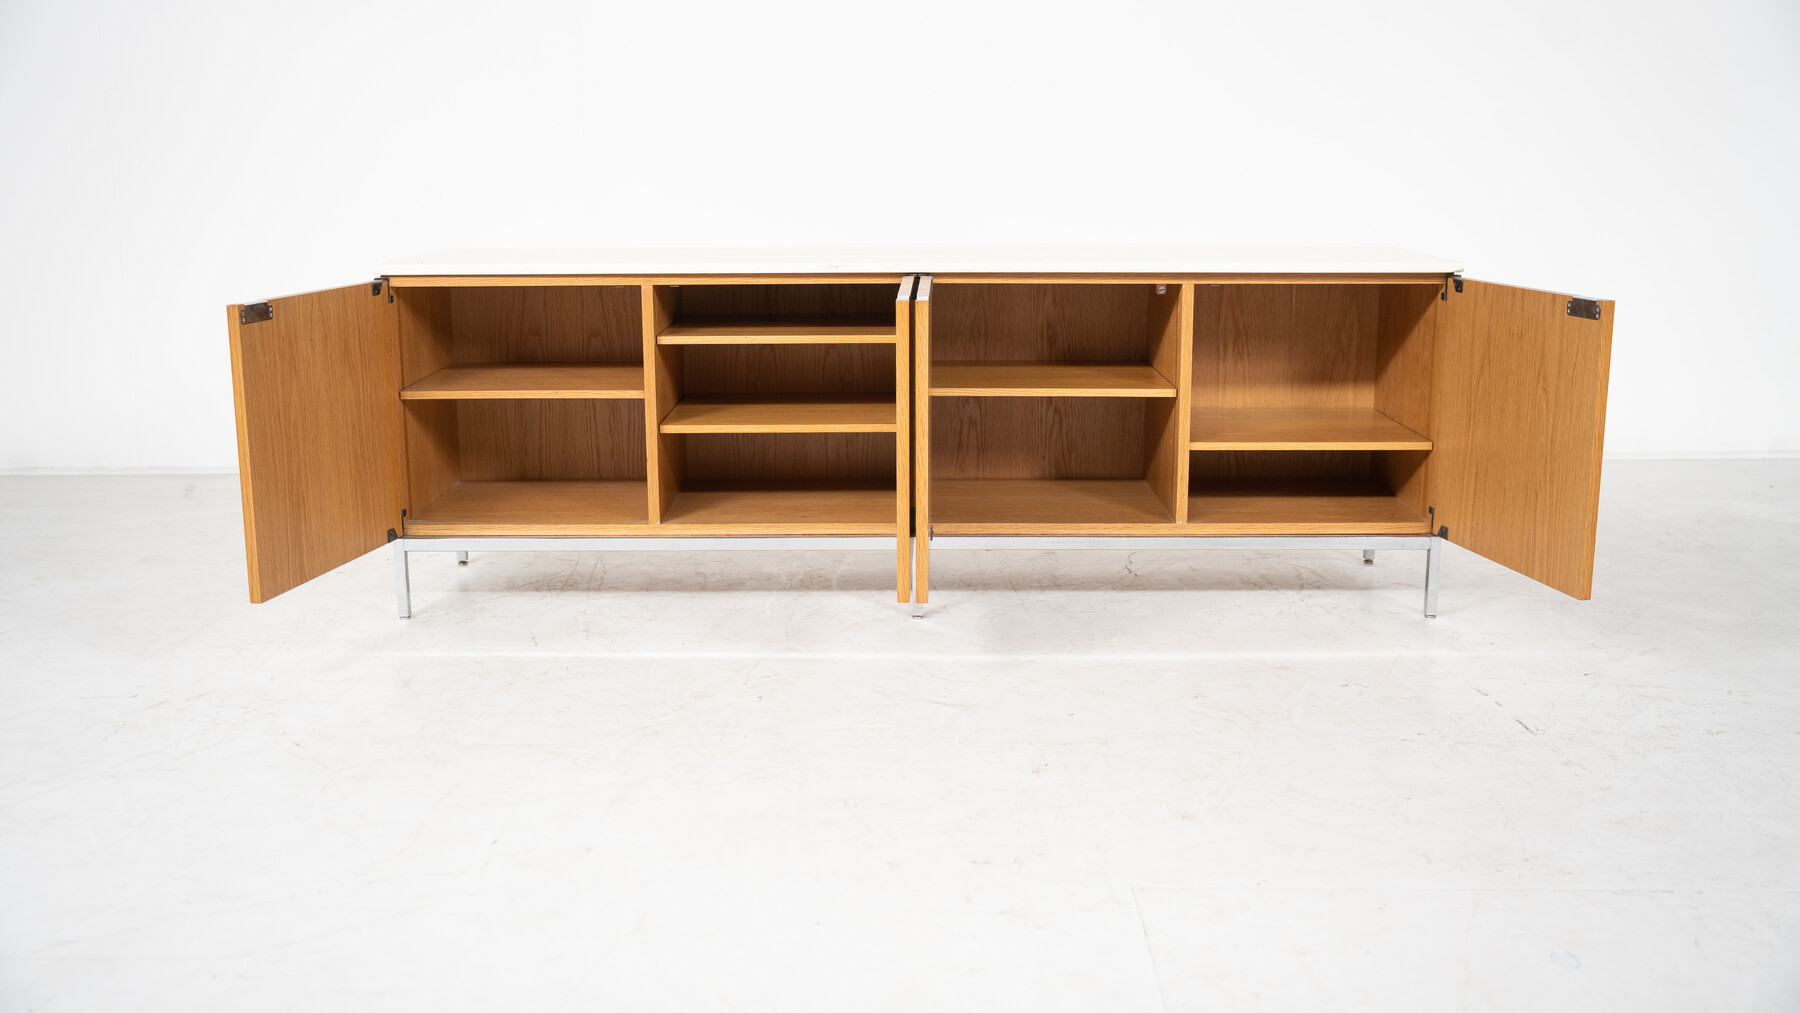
(404, 547)
(1368, 544)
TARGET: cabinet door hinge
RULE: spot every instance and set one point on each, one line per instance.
(1586, 309)
(255, 313)
(1455, 281)
(380, 283)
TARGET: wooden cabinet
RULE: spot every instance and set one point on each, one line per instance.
(917, 399)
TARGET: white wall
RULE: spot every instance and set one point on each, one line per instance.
(158, 161)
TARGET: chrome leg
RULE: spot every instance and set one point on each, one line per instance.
(1369, 556)
(462, 559)
(1433, 555)
(402, 581)
(918, 610)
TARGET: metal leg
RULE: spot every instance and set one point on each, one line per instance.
(1369, 557)
(462, 559)
(918, 610)
(1433, 552)
(402, 580)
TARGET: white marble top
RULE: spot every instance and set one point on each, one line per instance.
(930, 260)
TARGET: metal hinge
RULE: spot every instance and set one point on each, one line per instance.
(1455, 280)
(1586, 309)
(380, 283)
(255, 313)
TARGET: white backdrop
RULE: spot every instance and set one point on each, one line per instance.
(162, 160)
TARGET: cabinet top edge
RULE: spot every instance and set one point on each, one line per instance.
(925, 260)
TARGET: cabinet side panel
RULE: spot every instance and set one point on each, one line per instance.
(1166, 419)
(1518, 422)
(1406, 331)
(921, 422)
(903, 449)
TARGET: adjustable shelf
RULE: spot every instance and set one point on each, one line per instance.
(775, 507)
(1064, 506)
(1300, 507)
(507, 381)
(782, 413)
(1299, 429)
(543, 508)
(761, 330)
(1044, 379)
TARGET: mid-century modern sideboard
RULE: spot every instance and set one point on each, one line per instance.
(906, 400)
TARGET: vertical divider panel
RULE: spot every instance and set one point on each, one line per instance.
(921, 434)
(662, 388)
(1166, 420)
(903, 449)
(1405, 332)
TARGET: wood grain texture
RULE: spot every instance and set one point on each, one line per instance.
(1047, 506)
(1043, 379)
(664, 366)
(903, 449)
(1405, 334)
(321, 460)
(1284, 346)
(1304, 507)
(1518, 422)
(766, 509)
(591, 325)
(1299, 429)
(1166, 422)
(1041, 323)
(784, 457)
(544, 509)
(758, 330)
(1023, 437)
(780, 305)
(433, 451)
(788, 369)
(782, 413)
(550, 439)
(463, 383)
(427, 335)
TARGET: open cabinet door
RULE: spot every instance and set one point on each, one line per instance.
(1518, 417)
(317, 384)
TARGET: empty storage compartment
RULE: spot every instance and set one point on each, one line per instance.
(1079, 340)
(1353, 492)
(526, 467)
(522, 342)
(783, 483)
(776, 314)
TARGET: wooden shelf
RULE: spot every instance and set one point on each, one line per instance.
(1299, 429)
(1325, 507)
(536, 508)
(1045, 379)
(464, 383)
(1039, 506)
(809, 330)
(782, 413)
(780, 508)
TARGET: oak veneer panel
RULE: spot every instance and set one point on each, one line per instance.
(1041, 379)
(1036, 437)
(766, 509)
(826, 330)
(1047, 506)
(508, 381)
(1518, 421)
(427, 338)
(1299, 429)
(321, 461)
(922, 436)
(664, 366)
(1041, 323)
(1405, 334)
(788, 457)
(587, 324)
(1171, 321)
(788, 369)
(1285, 346)
(543, 509)
(781, 413)
(1300, 508)
(903, 452)
(550, 439)
(433, 450)
(781, 303)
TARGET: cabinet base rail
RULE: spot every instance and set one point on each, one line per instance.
(404, 547)
(1367, 544)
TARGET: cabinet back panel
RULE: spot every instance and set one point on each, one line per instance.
(1037, 437)
(788, 457)
(1285, 346)
(591, 324)
(784, 301)
(789, 369)
(561, 440)
(1209, 468)
(1040, 323)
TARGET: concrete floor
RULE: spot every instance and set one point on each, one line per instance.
(1085, 782)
